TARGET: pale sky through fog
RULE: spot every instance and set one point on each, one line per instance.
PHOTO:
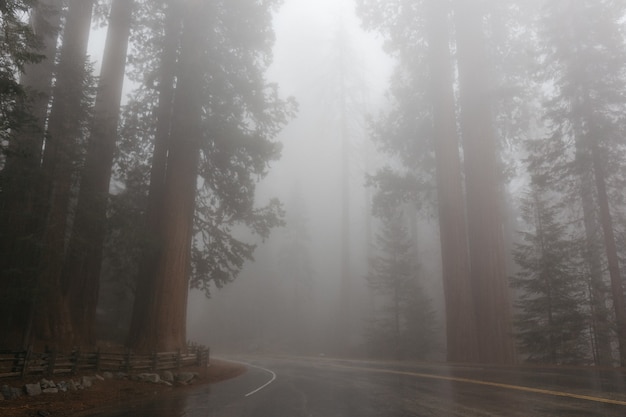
(305, 32)
(306, 40)
(303, 59)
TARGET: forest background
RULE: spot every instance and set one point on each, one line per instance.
(482, 196)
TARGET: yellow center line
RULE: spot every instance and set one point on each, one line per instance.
(487, 383)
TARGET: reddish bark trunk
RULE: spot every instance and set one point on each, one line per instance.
(460, 318)
(151, 253)
(617, 288)
(84, 259)
(60, 155)
(600, 322)
(485, 222)
(166, 327)
(20, 175)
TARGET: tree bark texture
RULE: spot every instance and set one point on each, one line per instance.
(167, 311)
(156, 203)
(617, 287)
(485, 222)
(460, 318)
(60, 155)
(18, 223)
(84, 257)
(597, 288)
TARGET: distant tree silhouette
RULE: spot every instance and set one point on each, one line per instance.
(404, 326)
(550, 322)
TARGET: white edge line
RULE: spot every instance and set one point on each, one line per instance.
(264, 385)
(258, 367)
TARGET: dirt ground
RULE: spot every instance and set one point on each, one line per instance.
(66, 404)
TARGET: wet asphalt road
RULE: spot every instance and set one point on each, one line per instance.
(320, 387)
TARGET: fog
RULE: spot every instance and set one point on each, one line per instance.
(398, 179)
(269, 307)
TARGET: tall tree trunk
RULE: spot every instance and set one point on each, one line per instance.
(585, 159)
(345, 308)
(547, 279)
(599, 312)
(617, 288)
(397, 354)
(84, 257)
(60, 156)
(20, 175)
(460, 319)
(167, 311)
(152, 251)
(485, 223)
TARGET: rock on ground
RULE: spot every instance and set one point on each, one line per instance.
(33, 389)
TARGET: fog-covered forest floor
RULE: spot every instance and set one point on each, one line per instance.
(106, 393)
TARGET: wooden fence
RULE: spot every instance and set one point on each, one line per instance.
(24, 363)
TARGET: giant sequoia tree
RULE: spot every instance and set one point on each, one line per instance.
(61, 157)
(584, 63)
(582, 156)
(27, 60)
(484, 201)
(202, 122)
(422, 43)
(223, 118)
(461, 327)
(83, 261)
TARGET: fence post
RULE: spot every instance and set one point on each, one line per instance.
(198, 357)
(178, 359)
(75, 359)
(98, 360)
(52, 358)
(29, 352)
(127, 361)
(155, 361)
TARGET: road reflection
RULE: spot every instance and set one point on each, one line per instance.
(168, 404)
(340, 388)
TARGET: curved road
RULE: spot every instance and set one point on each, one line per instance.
(320, 387)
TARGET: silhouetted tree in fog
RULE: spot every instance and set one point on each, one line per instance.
(295, 266)
(404, 325)
(421, 130)
(551, 323)
(84, 258)
(582, 154)
(157, 101)
(62, 155)
(196, 137)
(224, 118)
(23, 108)
(483, 191)
(461, 326)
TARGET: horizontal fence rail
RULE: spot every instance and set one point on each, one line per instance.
(27, 362)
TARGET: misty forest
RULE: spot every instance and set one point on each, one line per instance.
(427, 179)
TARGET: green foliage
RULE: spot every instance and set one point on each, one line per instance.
(18, 47)
(393, 189)
(122, 253)
(242, 114)
(551, 321)
(583, 55)
(404, 131)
